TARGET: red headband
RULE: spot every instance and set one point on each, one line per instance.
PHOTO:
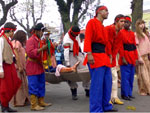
(14, 29)
(128, 18)
(3, 29)
(101, 8)
(118, 18)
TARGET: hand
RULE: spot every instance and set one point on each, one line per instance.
(20, 70)
(90, 58)
(1, 74)
(124, 61)
(44, 47)
(140, 60)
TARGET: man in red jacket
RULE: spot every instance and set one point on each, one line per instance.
(35, 70)
(98, 50)
(127, 60)
(112, 35)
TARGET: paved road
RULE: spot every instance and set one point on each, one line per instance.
(60, 96)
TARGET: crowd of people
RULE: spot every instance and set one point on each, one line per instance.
(102, 50)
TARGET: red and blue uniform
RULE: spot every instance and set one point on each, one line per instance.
(127, 49)
(96, 41)
(34, 67)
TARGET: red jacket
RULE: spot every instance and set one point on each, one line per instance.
(95, 32)
(45, 52)
(113, 40)
(33, 68)
(127, 37)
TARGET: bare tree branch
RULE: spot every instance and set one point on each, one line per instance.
(6, 8)
(13, 17)
(77, 8)
(41, 11)
(85, 10)
(32, 12)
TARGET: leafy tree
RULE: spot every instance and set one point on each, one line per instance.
(79, 8)
(5, 9)
(137, 11)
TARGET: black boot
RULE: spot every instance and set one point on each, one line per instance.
(87, 92)
(7, 109)
(74, 94)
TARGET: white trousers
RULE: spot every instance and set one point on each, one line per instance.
(114, 92)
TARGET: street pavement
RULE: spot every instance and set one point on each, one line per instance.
(60, 96)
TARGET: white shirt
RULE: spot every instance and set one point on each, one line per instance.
(1, 54)
(66, 40)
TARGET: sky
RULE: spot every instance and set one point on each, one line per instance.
(52, 16)
(120, 7)
(114, 6)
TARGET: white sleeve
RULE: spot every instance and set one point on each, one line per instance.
(66, 56)
(66, 50)
(1, 54)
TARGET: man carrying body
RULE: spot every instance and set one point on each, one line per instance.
(72, 54)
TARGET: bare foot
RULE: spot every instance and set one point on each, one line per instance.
(75, 66)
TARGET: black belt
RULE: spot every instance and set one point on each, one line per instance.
(98, 48)
(129, 47)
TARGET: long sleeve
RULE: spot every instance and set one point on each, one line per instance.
(68, 45)
(1, 54)
(66, 56)
(88, 37)
(31, 49)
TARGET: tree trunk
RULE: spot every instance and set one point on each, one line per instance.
(5, 9)
(137, 11)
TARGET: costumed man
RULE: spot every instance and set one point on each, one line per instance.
(35, 70)
(72, 54)
(9, 81)
(49, 57)
(112, 35)
(127, 59)
(98, 49)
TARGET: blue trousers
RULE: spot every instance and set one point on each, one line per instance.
(100, 90)
(127, 78)
(36, 84)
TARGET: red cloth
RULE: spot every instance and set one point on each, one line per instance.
(52, 48)
(127, 37)
(95, 32)
(75, 44)
(45, 52)
(33, 68)
(114, 41)
(9, 84)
